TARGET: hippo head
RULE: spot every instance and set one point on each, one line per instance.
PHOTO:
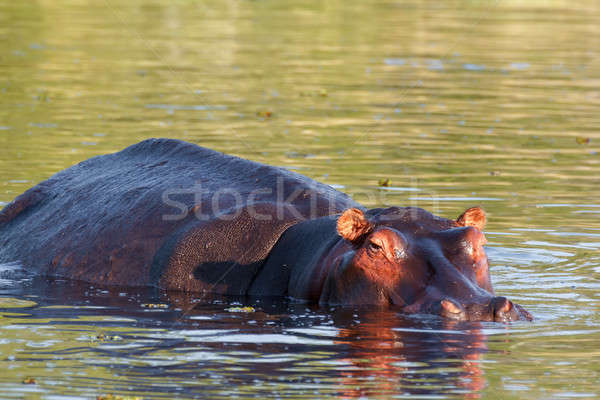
(410, 258)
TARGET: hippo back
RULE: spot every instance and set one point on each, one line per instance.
(161, 212)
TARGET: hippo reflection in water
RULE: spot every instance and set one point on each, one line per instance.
(170, 214)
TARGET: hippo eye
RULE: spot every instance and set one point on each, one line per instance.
(374, 246)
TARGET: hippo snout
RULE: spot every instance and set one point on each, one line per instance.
(498, 309)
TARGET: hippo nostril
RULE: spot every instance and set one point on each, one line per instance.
(501, 305)
(506, 307)
(451, 307)
(501, 308)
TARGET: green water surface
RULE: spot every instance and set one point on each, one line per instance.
(457, 103)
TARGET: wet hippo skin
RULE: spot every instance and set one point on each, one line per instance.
(177, 216)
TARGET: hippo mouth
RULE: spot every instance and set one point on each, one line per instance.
(493, 309)
(497, 309)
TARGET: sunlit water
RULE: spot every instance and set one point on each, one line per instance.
(457, 103)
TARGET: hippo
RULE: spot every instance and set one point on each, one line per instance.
(172, 215)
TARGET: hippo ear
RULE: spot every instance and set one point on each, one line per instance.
(474, 216)
(353, 224)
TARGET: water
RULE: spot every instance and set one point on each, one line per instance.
(458, 103)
